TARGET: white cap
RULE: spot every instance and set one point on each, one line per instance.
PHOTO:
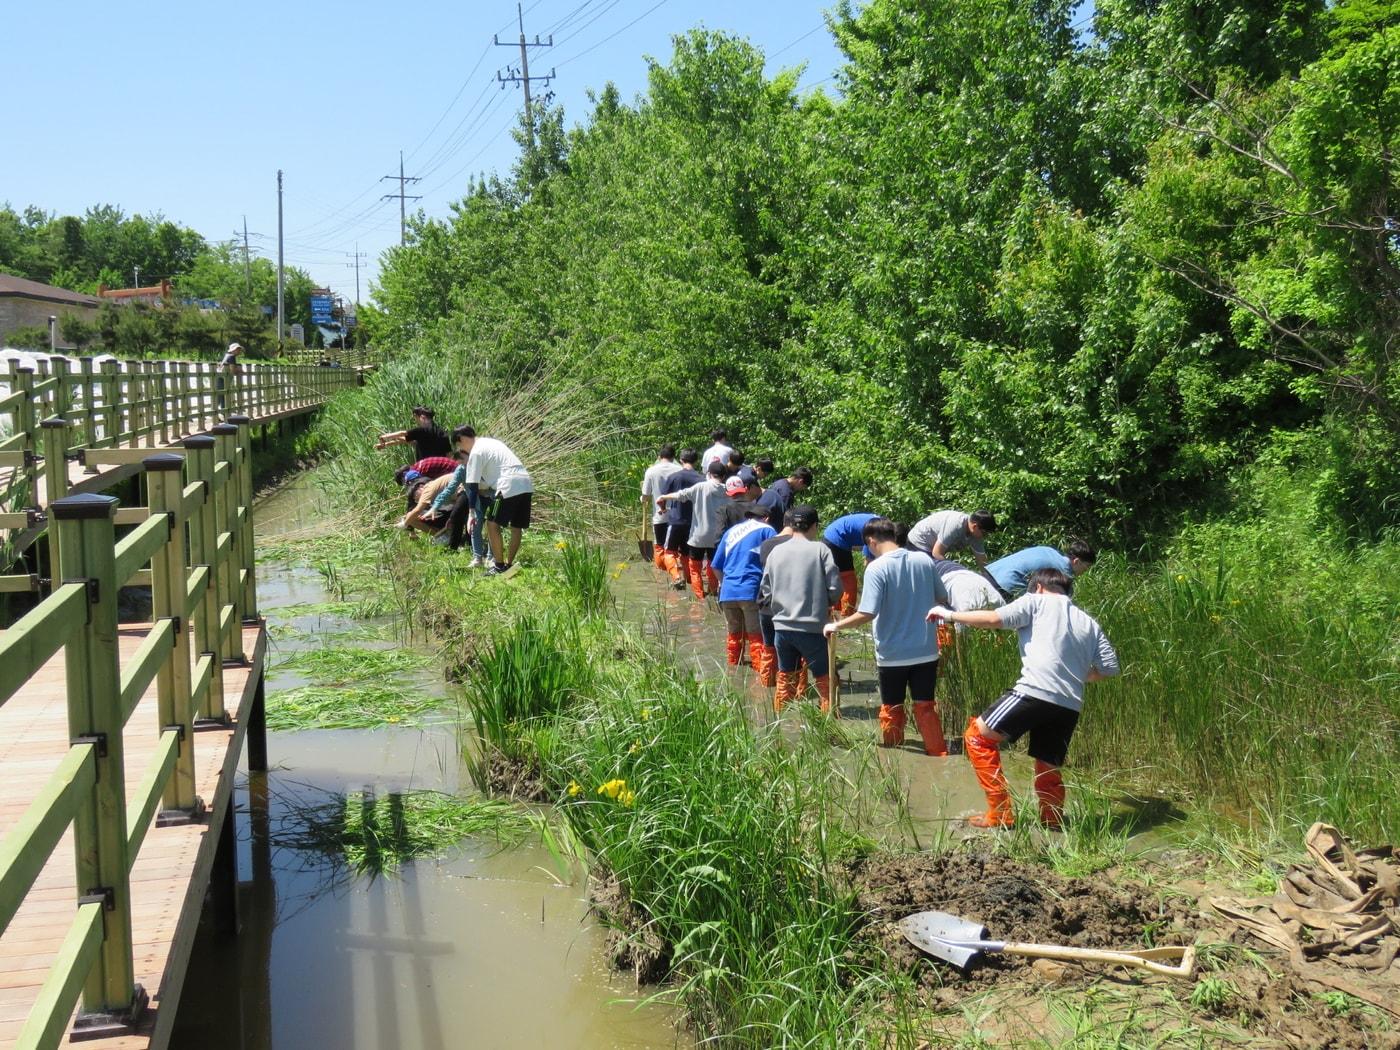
(234, 348)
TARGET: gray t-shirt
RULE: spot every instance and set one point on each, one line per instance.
(949, 526)
(1060, 645)
(800, 584)
(900, 588)
(651, 485)
(707, 521)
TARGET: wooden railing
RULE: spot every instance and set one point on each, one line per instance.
(113, 413)
(192, 544)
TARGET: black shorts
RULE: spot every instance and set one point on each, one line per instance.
(510, 512)
(658, 533)
(435, 519)
(676, 537)
(1049, 725)
(919, 680)
(844, 557)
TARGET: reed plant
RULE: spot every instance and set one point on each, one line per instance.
(585, 566)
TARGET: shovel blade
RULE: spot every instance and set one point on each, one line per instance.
(646, 549)
(938, 934)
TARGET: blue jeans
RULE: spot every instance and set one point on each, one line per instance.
(795, 646)
(468, 501)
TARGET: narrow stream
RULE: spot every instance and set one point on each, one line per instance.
(479, 948)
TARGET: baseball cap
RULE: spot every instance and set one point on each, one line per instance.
(235, 348)
(412, 475)
(803, 516)
(735, 487)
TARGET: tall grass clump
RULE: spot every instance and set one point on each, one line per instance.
(548, 415)
(585, 566)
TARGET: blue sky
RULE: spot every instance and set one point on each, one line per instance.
(191, 110)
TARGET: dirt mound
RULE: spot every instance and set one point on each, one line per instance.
(517, 780)
(1014, 901)
(632, 942)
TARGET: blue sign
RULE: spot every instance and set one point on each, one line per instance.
(321, 309)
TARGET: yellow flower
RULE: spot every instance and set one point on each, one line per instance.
(574, 788)
(646, 714)
(627, 797)
(561, 545)
(613, 788)
(1181, 577)
(636, 746)
(622, 565)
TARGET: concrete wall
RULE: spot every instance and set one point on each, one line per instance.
(19, 312)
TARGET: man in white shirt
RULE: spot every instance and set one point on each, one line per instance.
(505, 489)
(718, 451)
(1062, 649)
(663, 468)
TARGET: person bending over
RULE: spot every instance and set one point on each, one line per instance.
(845, 536)
(505, 490)
(799, 586)
(1062, 649)
(779, 496)
(900, 586)
(946, 531)
(1010, 573)
(426, 437)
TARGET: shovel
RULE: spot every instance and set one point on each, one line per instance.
(959, 941)
(645, 547)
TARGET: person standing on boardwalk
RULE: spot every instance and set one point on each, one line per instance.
(1062, 649)
(799, 586)
(718, 451)
(946, 531)
(844, 536)
(652, 479)
(900, 586)
(736, 562)
(707, 499)
(1010, 573)
(676, 547)
(505, 490)
(228, 368)
(779, 496)
(426, 437)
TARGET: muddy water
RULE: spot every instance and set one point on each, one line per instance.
(937, 790)
(480, 948)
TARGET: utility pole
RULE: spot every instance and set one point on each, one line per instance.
(281, 313)
(247, 266)
(136, 277)
(358, 255)
(523, 78)
(403, 215)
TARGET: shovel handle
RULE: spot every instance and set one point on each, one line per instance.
(1145, 960)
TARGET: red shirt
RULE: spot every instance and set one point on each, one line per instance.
(435, 466)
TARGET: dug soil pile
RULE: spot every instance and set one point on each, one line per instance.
(1016, 902)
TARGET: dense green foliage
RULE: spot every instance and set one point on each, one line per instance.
(1080, 272)
(105, 246)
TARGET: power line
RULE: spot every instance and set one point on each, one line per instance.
(600, 43)
(403, 197)
(436, 124)
(453, 145)
(804, 36)
(523, 77)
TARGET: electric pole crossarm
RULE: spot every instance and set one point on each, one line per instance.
(403, 180)
(524, 78)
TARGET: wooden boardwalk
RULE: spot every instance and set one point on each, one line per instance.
(174, 866)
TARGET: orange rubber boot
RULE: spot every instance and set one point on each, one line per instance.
(847, 604)
(823, 684)
(756, 655)
(930, 728)
(1050, 790)
(946, 636)
(711, 580)
(673, 567)
(985, 756)
(658, 557)
(697, 580)
(770, 665)
(782, 696)
(800, 689)
(891, 725)
(733, 647)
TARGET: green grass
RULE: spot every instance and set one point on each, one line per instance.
(350, 707)
(347, 663)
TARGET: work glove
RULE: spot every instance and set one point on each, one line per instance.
(939, 612)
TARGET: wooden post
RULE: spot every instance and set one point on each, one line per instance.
(87, 396)
(111, 414)
(87, 536)
(22, 380)
(165, 495)
(226, 514)
(199, 466)
(63, 386)
(248, 562)
(55, 438)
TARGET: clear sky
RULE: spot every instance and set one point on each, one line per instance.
(189, 110)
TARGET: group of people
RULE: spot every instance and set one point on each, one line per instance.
(786, 587)
(464, 485)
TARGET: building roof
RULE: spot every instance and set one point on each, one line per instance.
(154, 291)
(19, 288)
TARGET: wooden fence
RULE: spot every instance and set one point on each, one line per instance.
(192, 544)
(106, 413)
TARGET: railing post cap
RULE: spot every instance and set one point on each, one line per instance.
(238, 421)
(198, 441)
(83, 507)
(223, 428)
(163, 461)
(53, 423)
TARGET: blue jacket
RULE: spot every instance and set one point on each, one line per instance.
(736, 560)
